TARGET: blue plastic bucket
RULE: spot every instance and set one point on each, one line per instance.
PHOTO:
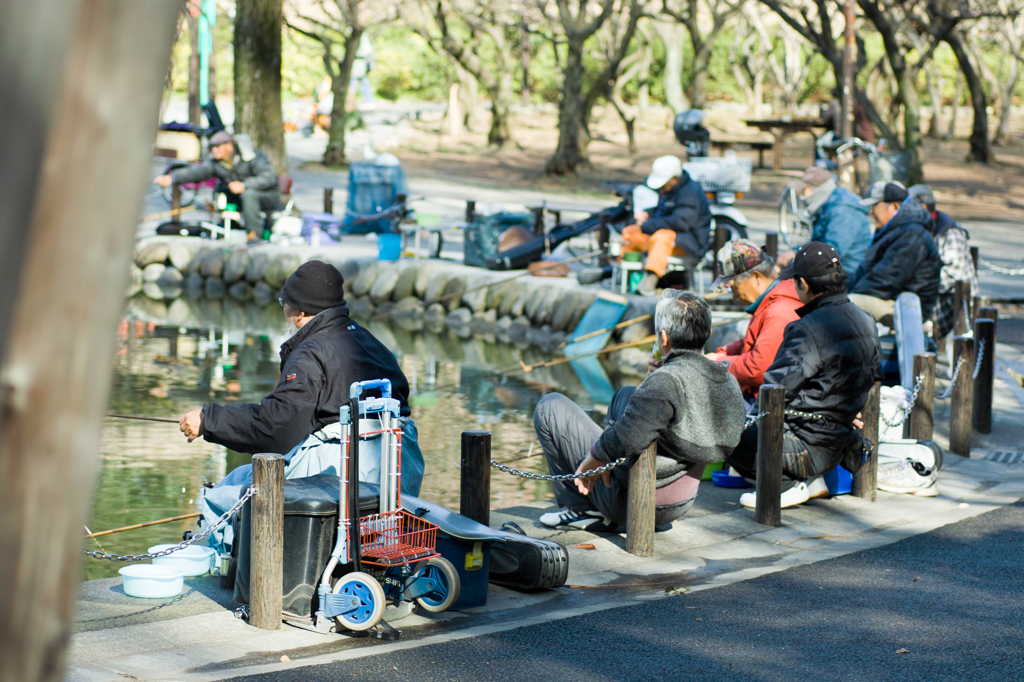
(389, 246)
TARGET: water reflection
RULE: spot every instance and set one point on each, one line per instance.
(174, 357)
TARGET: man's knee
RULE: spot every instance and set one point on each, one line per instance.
(664, 237)
(551, 409)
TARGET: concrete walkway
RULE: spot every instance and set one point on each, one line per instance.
(197, 637)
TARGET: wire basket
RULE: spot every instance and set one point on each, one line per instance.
(395, 538)
(720, 173)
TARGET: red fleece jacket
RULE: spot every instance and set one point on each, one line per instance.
(750, 356)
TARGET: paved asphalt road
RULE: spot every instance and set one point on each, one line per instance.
(946, 605)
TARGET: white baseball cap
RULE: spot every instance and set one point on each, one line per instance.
(664, 169)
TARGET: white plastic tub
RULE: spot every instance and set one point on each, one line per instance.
(152, 582)
(193, 560)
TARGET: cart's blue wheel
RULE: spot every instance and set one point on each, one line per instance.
(446, 579)
(370, 593)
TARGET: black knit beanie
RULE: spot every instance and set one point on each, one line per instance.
(314, 287)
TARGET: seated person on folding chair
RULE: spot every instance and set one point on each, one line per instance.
(246, 173)
(679, 226)
(828, 361)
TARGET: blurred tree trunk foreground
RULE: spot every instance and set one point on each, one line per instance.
(258, 26)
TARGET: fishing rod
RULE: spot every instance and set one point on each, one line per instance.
(143, 525)
(165, 420)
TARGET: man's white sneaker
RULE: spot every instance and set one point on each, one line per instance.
(908, 476)
(798, 494)
(581, 520)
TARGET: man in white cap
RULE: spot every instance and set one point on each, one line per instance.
(680, 225)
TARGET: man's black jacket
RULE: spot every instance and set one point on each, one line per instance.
(828, 361)
(684, 210)
(255, 171)
(902, 257)
(318, 365)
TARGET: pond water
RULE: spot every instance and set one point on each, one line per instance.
(173, 358)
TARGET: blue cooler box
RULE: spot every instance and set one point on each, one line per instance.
(472, 560)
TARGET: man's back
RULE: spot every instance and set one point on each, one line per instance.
(902, 257)
(843, 223)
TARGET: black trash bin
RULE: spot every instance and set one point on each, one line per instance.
(310, 531)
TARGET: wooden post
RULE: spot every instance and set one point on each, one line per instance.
(771, 244)
(921, 424)
(475, 496)
(975, 255)
(721, 237)
(961, 307)
(176, 203)
(266, 578)
(81, 84)
(865, 481)
(538, 220)
(768, 508)
(640, 504)
(328, 200)
(985, 311)
(962, 399)
(603, 237)
(985, 338)
(470, 212)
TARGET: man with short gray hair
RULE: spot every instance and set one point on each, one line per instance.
(691, 406)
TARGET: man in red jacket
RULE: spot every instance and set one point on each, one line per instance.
(749, 273)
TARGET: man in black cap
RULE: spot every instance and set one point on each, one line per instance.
(902, 256)
(324, 356)
(828, 361)
(247, 176)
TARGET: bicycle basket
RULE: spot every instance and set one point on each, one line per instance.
(720, 173)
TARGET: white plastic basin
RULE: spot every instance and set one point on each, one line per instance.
(193, 560)
(152, 582)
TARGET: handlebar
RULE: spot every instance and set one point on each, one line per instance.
(357, 388)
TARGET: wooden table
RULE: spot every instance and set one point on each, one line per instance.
(779, 129)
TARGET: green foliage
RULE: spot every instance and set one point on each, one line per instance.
(406, 67)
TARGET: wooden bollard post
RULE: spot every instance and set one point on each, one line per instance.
(603, 237)
(963, 398)
(538, 220)
(721, 237)
(640, 504)
(475, 498)
(961, 307)
(985, 340)
(921, 424)
(975, 255)
(266, 578)
(768, 507)
(328, 200)
(771, 244)
(986, 311)
(176, 203)
(865, 481)
(470, 212)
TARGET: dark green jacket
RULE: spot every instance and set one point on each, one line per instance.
(256, 172)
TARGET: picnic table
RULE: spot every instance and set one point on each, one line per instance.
(780, 128)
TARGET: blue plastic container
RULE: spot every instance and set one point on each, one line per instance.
(389, 246)
(839, 481)
(472, 561)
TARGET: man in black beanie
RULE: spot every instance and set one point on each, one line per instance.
(326, 353)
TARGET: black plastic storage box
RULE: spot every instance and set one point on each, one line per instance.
(310, 530)
(472, 561)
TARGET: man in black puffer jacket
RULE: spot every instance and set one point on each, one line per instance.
(828, 361)
(902, 256)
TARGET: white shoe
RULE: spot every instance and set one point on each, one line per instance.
(581, 520)
(908, 476)
(798, 494)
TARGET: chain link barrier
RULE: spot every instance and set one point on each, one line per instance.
(909, 408)
(977, 363)
(1013, 272)
(181, 545)
(952, 381)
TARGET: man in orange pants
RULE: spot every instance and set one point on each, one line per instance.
(680, 225)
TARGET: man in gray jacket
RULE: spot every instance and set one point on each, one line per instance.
(689, 404)
(245, 173)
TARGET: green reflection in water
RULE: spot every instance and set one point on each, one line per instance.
(169, 361)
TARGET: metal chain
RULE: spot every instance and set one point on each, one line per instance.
(977, 363)
(181, 545)
(967, 313)
(558, 477)
(952, 381)
(806, 415)
(1001, 270)
(756, 418)
(910, 408)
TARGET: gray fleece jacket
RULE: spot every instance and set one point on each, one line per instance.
(691, 405)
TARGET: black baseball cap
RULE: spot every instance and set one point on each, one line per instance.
(813, 259)
(891, 192)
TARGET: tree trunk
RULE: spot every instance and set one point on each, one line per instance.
(70, 214)
(958, 95)
(258, 77)
(194, 109)
(334, 154)
(1006, 103)
(524, 63)
(699, 79)
(501, 100)
(672, 36)
(935, 93)
(911, 125)
(980, 150)
(572, 133)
